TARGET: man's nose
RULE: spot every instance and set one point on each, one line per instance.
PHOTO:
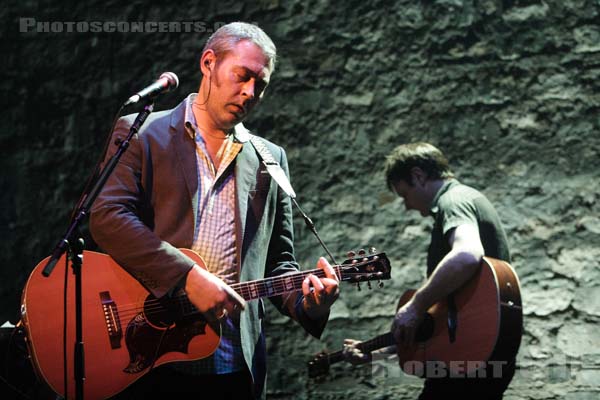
(248, 89)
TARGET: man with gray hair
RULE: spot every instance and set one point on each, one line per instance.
(192, 179)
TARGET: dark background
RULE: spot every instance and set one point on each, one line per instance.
(509, 90)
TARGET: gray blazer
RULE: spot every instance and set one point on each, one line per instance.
(148, 209)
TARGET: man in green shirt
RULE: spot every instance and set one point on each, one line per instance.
(466, 228)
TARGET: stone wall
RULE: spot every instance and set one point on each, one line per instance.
(508, 89)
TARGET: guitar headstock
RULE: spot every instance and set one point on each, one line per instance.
(318, 367)
(365, 267)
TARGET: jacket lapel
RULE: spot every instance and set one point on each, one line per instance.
(185, 150)
(246, 168)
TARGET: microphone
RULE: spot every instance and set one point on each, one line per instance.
(166, 82)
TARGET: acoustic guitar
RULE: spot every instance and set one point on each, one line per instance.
(481, 322)
(126, 330)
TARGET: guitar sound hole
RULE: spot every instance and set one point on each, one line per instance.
(425, 331)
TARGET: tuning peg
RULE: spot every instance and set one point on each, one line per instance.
(362, 252)
(380, 284)
(372, 250)
(351, 254)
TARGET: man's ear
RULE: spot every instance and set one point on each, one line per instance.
(418, 176)
(207, 62)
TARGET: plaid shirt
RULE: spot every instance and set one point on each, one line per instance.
(214, 240)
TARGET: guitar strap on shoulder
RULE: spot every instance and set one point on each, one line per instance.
(273, 167)
(279, 176)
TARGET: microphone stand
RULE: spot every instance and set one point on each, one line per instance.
(74, 246)
(311, 226)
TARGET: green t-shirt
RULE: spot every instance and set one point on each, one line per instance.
(457, 204)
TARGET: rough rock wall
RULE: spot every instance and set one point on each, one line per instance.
(508, 90)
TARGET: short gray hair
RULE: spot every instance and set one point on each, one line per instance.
(226, 37)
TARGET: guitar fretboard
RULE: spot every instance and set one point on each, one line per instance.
(267, 287)
(277, 285)
(366, 347)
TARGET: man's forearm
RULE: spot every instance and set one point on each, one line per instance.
(452, 272)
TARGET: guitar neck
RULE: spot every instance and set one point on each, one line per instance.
(277, 285)
(363, 268)
(366, 347)
(267, 287)
(378, 342)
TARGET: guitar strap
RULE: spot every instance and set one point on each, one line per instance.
(279, 176)
(452, 318)
(273, 167)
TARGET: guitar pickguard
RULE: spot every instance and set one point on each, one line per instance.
(147, 343)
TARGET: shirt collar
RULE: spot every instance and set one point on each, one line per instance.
(241, 134)
(433, 210)
(188, 117)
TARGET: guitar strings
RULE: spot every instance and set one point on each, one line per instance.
(277, 285)
(249, 290)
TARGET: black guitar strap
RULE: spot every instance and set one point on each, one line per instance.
(452, 318)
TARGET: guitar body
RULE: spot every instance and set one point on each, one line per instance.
(123, 335)
(488, 324)
(487, 319)
(126, 330)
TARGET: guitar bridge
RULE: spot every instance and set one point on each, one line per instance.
(111, 317)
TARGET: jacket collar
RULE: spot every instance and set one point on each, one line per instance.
(182, 114)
